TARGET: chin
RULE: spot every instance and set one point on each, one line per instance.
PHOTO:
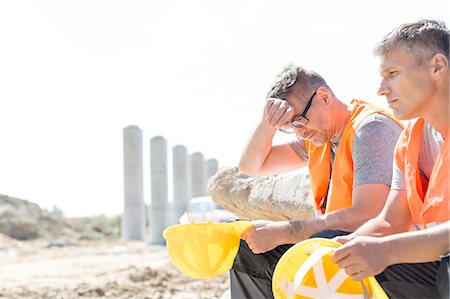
(404, 115)
(319, 142)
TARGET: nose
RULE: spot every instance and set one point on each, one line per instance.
(383, 90)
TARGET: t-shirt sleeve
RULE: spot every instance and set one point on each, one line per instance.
(373, 150)
(299, 147)
(398, 178)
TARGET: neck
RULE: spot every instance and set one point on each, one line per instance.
(341, 115)
(438, 114)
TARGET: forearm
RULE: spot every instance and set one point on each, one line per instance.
(350, 220)
(418, 246)
(346, 220)
(376, 227)
(257, 149)
(261, 157)
(393, 219)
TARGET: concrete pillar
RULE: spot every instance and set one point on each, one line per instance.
(159, 198)
(198, 175)
(181, 180)
(212, 165)
(133, 219)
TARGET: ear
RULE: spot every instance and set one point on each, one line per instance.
(439, 64)
(324, 95)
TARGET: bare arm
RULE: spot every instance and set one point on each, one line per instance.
(368, 201)
(367, 256)
(393, 219)
(260, 157)
(386, 240)
(418, 246)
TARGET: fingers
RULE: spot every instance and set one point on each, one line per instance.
(353, 271)
(340, 254)
(350, 263)
(345, 262)
(256, 236)
(268, 105)
(246, 234)
(343, 239)
(277, 112)
(252, 244)
(360, 276)
(349, 258)
(255, 249)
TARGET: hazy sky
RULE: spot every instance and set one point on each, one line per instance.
(73, 74)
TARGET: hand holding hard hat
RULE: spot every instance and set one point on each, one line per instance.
(362, 256)
(306, 271)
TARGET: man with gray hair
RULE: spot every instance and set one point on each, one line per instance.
(408, 245)
(348, 149)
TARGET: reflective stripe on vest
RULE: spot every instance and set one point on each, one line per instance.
(428, 200)
(336, 194)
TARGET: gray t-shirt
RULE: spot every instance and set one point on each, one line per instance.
(430, 146)
(373, 150)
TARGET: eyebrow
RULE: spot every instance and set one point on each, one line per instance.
(387, 69)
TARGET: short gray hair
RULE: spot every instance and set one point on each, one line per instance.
(293, 79)
(422, 39)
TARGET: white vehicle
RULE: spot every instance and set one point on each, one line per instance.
(204, 209)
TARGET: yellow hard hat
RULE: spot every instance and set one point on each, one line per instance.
(306, 271)
(202, 250)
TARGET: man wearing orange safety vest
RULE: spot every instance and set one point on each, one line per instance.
(407, 245)
(348, 149)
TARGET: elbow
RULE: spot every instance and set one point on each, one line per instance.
(249, 170)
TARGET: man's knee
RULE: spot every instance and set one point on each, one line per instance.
(257, 265)
(251, 274)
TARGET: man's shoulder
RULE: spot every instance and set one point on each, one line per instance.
(378, 124)
(431, 135)
(428, 137)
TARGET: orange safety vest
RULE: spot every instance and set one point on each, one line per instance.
(337, 194)
(428, 200)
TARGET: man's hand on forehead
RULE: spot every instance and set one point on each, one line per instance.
(278, 112)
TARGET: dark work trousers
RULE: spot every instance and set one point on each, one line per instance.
(251, 274)
(419, 280)
(443, 277)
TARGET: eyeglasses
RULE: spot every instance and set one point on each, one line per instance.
(300, 120)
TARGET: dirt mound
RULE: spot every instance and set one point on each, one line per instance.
(103, 268)
(144, 283)
(24, 220)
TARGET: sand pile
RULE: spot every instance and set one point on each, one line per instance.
(46, 256)
(25, 220)
(97, 269)
(136, 283)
